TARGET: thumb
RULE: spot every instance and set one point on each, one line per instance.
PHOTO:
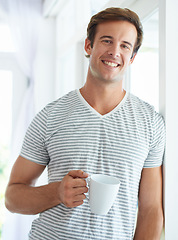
(78, 174)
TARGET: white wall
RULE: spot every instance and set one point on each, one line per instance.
(169, 107)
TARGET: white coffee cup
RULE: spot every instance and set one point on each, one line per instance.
(103, 190)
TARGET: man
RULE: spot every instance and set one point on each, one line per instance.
(100, 128)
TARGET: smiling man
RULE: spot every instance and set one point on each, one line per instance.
(100, 128)
(110, 55)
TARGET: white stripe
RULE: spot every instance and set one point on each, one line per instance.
(68, 134)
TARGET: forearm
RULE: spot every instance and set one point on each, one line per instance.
(149, 225)
(24, 199)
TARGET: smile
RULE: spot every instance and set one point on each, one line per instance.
(110, 63)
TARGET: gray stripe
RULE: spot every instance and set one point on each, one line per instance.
(68, 134)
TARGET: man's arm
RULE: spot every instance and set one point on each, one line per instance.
(23, 197)
(150, 209)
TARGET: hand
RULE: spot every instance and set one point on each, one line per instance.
(72, 188)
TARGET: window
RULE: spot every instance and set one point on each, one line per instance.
(12, 85)
(6, 76)
(6, 43)
(144, 81)
(5, 136)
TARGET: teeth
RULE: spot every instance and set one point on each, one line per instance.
(110, 64)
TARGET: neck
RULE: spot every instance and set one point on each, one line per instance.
(103, 97)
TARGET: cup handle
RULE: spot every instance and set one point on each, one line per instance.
(88, 184)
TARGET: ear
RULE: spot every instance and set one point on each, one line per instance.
(88, 46)
(132, 59)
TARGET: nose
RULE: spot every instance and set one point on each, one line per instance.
(114, 51)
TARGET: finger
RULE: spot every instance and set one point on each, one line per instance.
(75, 201)
(76, 204)
(80, 190)
(71, 204)
(79, 198)
(78, 182)
(78, 174)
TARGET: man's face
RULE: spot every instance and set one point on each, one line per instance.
(112, 50)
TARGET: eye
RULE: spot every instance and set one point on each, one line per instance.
(107, 41)
(125, 46)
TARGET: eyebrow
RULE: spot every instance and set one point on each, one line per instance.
(110, 37)
(105, 36)
(128, 43)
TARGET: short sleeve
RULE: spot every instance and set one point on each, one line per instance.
(33, 147)
(157, 145)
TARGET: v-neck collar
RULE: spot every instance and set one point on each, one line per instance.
(97, 113)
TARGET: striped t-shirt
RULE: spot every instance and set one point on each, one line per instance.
(69, 134)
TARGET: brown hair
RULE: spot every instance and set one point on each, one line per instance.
(115, 14)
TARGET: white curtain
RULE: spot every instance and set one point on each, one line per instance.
(24, 18)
